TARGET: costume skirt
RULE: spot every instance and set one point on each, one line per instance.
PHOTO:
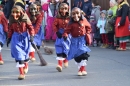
(2, 34)
(20, 46)
(77, 47)
(38, 38)
(62, 47)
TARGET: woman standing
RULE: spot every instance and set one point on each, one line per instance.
(122, 23)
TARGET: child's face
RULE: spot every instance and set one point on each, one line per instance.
(15, 13)
(85, 0)
(103, 15)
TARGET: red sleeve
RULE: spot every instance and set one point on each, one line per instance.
(67, 31)
(38, 23)
(87, 26)
(55, 25)
(11, 31)
(31, 29)
(4, 22)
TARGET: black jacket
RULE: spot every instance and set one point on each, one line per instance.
(8, 7)
(123, 12)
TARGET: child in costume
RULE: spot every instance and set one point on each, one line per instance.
(20, 34)
(36, 17)
(80, 29)
(59, 25)
(3, 33)
(50, 9)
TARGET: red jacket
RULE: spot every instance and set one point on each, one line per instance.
(3, 21)
(60, 23)
(23, 27)
(75, 29)
(38, 21)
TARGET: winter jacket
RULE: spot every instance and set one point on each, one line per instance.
(114, 9)
(76, 3)
(109, 27)
(87, 8)
(7, 8)
(96, 12)
(101, 25)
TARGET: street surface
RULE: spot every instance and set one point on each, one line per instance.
(105, 68)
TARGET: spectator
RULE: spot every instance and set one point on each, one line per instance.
(113, 7)
(94, 27)
(76, 3)
(96, 12)
(109, 28)
(122, 24)
(101, 26)
(7, 8)
(96, 9)
(87, 8)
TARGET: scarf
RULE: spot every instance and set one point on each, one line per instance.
(124, 2)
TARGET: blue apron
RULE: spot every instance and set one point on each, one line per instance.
(20, 46)
(77, 47)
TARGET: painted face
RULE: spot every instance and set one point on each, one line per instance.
(64, 9)
(33, 9)
(76, 14)
(15, 13)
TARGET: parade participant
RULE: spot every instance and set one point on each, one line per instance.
(80, 30)
(36, 17)
(59, 25)
(122, 24)
(3, 33)
(50, 9)
(19, 3)
(20, 27)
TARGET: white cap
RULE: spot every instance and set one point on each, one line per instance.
(114, 2)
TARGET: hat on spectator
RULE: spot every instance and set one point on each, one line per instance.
(104, 11)
(114, 2)
(110, 12)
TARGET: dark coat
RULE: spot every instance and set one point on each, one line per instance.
(123, 12)
(87, 8)
(7, 8)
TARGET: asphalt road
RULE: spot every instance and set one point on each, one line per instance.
(105, 68)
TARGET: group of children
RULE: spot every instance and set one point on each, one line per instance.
(25, 27)
(105, 25)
